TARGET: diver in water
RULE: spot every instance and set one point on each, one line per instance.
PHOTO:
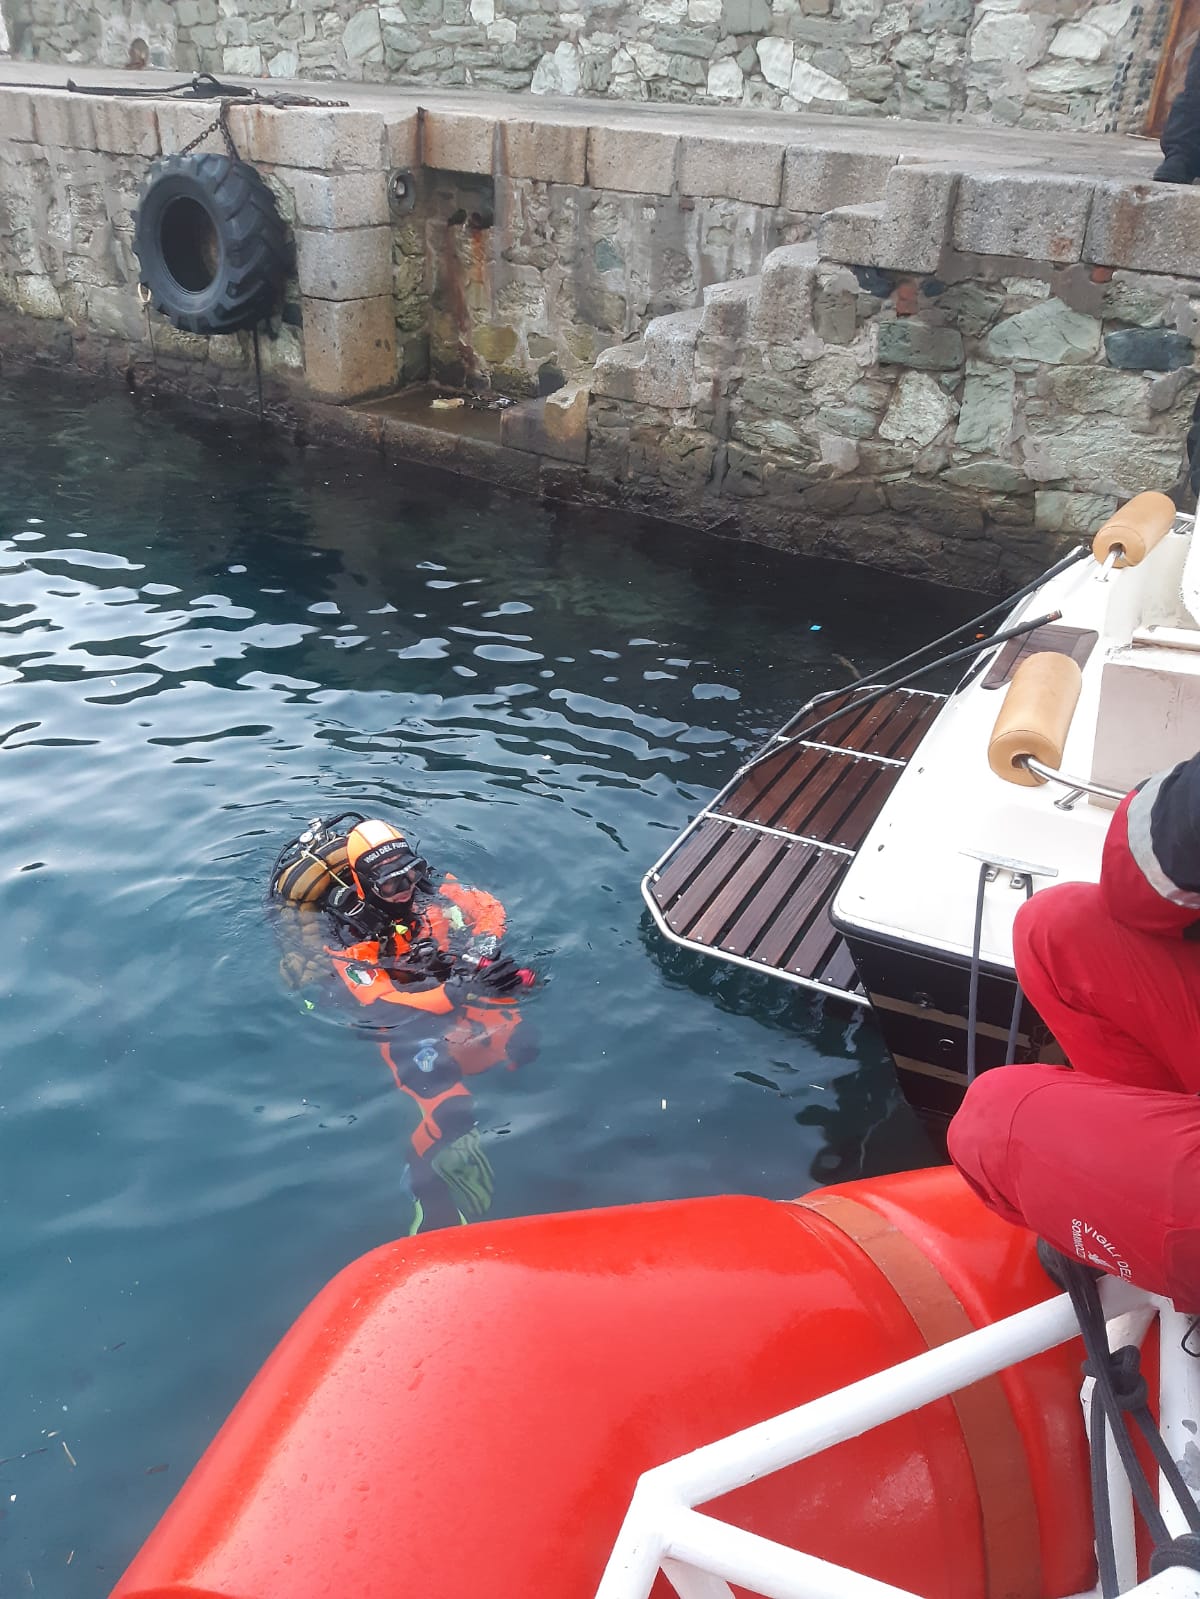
(360, 913)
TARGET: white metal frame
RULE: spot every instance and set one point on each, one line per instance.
(701, 1555)
(771, 747)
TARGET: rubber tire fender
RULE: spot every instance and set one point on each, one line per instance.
(234, 265)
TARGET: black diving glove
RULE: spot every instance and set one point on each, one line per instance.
(502, 976)
(425, 960)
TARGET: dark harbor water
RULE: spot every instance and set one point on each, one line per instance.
(204, 641)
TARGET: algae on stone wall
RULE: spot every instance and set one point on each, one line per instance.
(528, 281)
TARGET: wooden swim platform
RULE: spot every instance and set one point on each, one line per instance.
(751, 880)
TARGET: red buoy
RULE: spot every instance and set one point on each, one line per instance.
(467, 1412)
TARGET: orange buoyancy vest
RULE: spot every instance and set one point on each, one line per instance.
(467, 911)
(472, 910)
(368, 981)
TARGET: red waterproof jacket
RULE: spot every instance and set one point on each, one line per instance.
(1150, 873)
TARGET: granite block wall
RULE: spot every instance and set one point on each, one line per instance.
(918, 383)
(949, 374)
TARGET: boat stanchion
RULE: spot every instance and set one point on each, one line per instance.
(1132, 532)
(1109, 562)
(1030, 733)
(1035, 718)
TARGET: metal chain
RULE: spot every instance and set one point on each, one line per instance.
(200, 137)
(205, 85)
(218, 122)
(278, 102)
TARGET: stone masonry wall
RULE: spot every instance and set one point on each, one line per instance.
(71, 169)
(512, 280)
(963, 365)
(910, 369)
(1029, 63)
(537, 278)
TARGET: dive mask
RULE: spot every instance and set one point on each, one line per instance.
(391, 873)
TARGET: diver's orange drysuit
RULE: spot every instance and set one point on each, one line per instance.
(437, 964)
(384, 971)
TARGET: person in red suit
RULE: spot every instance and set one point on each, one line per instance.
(1102, 1158)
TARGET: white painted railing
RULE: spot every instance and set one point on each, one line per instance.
(701, 1556)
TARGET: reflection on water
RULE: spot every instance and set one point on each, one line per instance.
(204, 641)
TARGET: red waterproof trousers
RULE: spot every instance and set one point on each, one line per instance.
(1102, 1160)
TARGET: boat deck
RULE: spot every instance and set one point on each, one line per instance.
(752, 879)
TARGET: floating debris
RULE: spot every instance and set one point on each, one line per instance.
(444, 404)
(151, 1470)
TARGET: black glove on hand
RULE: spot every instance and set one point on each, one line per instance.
(501, 976)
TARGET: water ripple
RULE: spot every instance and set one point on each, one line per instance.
(188, 1154)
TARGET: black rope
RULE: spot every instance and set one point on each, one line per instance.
(876, 691)
(1106, 1548)
(998, 609)
(202, 87)
(258, 372)
(973, 986)
(1014, 1026)
(1119, 1393)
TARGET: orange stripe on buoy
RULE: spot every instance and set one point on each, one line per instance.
(1007, 1506)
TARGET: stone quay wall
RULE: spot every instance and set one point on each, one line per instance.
(71, 169)
(1028, 63)
(792, 334)
(946, 410)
